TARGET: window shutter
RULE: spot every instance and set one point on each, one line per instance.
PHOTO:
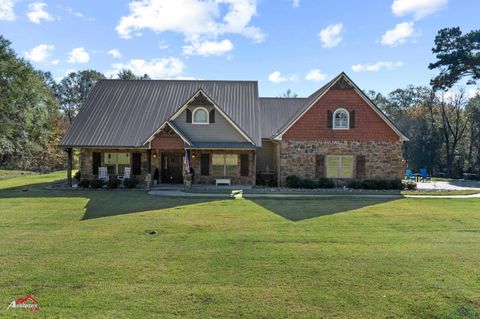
(320, 166)
(205, 164)
(244, 165)
(189, 116)
(352, 119)
(136, 163)
(211, 116)
(96, 162)
(360, 166)
(329, 119)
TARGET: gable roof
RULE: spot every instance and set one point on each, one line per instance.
(275, 112)
(312, 99)
(122, 113)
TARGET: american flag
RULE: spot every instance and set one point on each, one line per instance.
(186, 163)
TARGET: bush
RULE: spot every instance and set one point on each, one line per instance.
(84, 183)
(113, 182)
(308, 183)
(78, 176)
(96, 183)
(325, 183)
(355, 184)
(369, 184)
(396, 184)
(411, 186)
(130, 182)
(294, 181)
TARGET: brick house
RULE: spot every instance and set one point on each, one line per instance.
(228, 131)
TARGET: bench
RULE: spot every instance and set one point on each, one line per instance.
(222, 181)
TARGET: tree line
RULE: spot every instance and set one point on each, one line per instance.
(441, 121)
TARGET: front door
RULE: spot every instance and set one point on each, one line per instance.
(172, 168)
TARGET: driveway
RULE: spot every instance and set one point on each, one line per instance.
(449, 186)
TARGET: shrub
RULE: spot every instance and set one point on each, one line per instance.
(294, 181)
(308, 183)
(325, 183)
(396, 184)
(411, 186)
(96, 183)
(130, 182)
(355, 184)
(113, 182)
(369, 184)
(78, 176)
(84, 183)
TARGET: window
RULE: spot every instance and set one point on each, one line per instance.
(224, 164)
(341, 119)
(340, 166)
(200, 116)
(116, 162)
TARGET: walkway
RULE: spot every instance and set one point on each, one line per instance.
(178, 193)
(449, 186)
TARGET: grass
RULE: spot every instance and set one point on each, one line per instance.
(6, 174)
(86, 254)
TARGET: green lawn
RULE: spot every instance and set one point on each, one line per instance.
(6, 174)
(87, 254)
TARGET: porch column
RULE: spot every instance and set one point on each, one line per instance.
(149, 161)
(254, 159)
(69, 167)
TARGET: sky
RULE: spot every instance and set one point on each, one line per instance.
(283, 44)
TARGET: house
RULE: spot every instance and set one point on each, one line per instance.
(228, 131)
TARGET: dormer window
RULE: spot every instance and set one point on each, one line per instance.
(200, 116)
(341, 119)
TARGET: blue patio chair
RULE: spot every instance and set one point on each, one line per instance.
(425, 176)
(409, 175)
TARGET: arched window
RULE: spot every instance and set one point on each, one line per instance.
(341, 119)
(200, 116)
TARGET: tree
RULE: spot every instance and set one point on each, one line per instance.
(457, 56)
(29, 115)
(125, 74)
(73, 90)
(289, 94)
(454, 124)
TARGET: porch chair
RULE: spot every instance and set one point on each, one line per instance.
(102, 173)
(425, 176)
(126, 174)
(409, 175)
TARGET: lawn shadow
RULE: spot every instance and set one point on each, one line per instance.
(298, 209)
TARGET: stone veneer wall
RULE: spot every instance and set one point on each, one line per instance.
(198, 179)
(86, 160)
(383, 160)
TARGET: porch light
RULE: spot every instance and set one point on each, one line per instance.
(154, 155)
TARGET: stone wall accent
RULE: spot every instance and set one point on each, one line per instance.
(383, 159)
(198, 179)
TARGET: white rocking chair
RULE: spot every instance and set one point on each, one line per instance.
(102, 173)
(126, 174)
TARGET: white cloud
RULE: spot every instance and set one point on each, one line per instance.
(277, 77)
(39, 53)
(315, 75)
(162, 45)
(55, 62)
(115, 53)
(78, 55)
(419, 8)
(36, 12)
(157, 68)
(6, 10)
(207, 48)
(331, 35)
(388, 65)
(296, 3)
(400, 34)
(197, 20)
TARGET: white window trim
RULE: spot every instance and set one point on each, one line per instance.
(198, 108)
(348, 119)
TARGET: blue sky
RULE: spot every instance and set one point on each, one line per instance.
(296, 44)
